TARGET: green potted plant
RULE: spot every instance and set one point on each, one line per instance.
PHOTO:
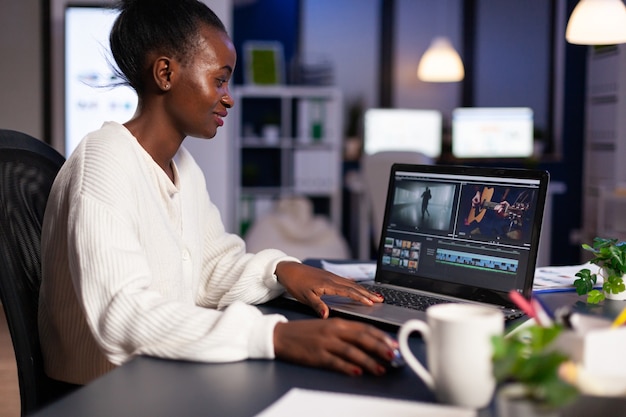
(527, 371)
(610, 256)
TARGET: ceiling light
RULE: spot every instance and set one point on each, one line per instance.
(597, 22)
(440, 63)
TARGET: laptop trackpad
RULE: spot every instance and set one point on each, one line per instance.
(379, 311)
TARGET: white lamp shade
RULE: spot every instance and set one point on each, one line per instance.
(597, 22)
(440, 63)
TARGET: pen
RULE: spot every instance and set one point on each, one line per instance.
(620, 319)
(544, 315)
(523, 304)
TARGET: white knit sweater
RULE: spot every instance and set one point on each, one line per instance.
(136, 265)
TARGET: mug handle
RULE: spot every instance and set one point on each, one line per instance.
(406, 329)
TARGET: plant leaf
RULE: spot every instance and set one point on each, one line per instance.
(614, 285)
(526, 358)
(585, 282)
(595, 296)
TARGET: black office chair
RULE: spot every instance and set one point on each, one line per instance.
(27, 169)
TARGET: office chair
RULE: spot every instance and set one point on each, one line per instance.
(27, 169)
(375, 170)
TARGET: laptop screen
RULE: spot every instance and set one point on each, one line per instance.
(463, 231)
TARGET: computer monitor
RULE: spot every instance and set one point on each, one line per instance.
(492, 132)
(403, 130)
(91, 96)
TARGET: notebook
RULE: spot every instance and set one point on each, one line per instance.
(456, 233)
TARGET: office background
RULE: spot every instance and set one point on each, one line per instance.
(374, 46)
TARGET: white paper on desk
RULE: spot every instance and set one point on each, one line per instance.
(360, 271)
(308, 403)
(549, 277)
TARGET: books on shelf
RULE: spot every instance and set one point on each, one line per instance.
(311, 116)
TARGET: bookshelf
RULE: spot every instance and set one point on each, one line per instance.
(288, 142)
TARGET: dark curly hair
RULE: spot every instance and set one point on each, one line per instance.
(168, 27)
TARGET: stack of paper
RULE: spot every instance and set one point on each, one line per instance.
(547, 279)
(308, 403)
(554, 278)
(358, 271)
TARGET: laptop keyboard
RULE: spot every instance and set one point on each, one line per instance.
(421, 302)
(406, 299)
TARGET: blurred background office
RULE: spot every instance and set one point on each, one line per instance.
(360, 54)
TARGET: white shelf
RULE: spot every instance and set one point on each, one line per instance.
(304, 159)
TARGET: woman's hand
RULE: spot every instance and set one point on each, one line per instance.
(307, 284)
(349, 347)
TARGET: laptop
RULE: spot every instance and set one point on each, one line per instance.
(455, 234)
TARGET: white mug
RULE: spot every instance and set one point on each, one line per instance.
(458, 350)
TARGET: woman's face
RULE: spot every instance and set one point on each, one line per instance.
(200, 97)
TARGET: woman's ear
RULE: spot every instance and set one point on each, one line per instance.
(162, 73)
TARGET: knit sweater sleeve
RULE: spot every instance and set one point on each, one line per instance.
(129, 318)
(117, 258)
(229, 273)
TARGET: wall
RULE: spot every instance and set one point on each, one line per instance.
(21, 107)
(512, 62)
(267, 20)
(346, 33)
(354, 47)
(417, 23)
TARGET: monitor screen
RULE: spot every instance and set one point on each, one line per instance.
(91, 96)
(403, 130)
(492, 132)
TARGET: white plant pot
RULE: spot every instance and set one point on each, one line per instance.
(621, 296)
(610, 296)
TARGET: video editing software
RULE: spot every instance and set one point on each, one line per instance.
(461, 229)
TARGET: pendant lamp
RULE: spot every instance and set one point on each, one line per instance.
(440, 63)
(597, 22)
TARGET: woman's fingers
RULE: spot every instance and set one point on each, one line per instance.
(308, 284)
(344, 346)
(313, 297)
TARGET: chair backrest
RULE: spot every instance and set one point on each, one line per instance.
(27, 170)
(376, 169)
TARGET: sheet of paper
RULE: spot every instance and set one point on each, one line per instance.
(547, 278)
(358, 271)
(309, 403)
(554, 277)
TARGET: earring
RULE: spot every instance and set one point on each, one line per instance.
(167, 86)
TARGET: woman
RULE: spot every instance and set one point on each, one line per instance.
(135, 257)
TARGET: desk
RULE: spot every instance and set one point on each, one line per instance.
(156, 387)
